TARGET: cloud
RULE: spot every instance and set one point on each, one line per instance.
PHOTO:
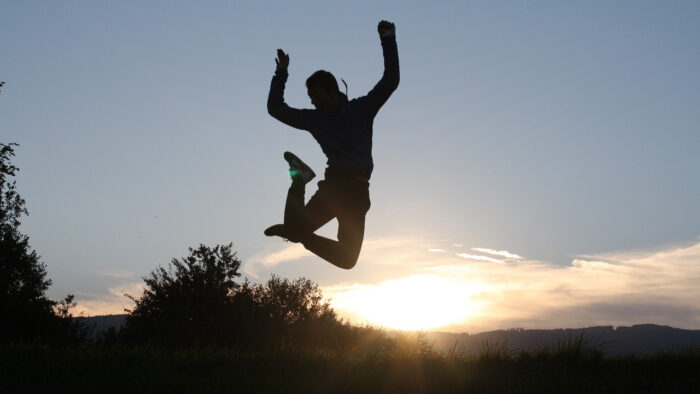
(406, 252)
(613, 289)
(502, 253)
(114, 302)
(388, 251)
(478, 257)
(267, 260)
(468, 292)
(290, 253)
(117, 273)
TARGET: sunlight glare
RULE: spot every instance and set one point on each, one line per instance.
(416, 302)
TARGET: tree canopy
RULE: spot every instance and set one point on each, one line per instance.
(27, 313)
(195, 300)
(184, 303)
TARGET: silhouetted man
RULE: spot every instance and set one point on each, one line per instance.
(344, 130)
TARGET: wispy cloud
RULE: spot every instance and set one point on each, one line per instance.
(268, 260)
(503, 253)
(387, 251)
(612, 289)
(117, 273)
(290, 253)
(461, 291)
(406, 252)
(478, 257)
(114, 302)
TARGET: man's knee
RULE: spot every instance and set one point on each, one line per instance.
(350, 250)
(348, 260)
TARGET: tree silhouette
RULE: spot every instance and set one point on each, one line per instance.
(293, 301)
(27, 314)
(195, 301)
(188, 303)
(291, 311)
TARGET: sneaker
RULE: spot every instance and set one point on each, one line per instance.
(280, 230)
(298, 170)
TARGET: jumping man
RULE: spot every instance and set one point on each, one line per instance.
(344, 130)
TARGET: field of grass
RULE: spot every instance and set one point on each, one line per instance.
(408, 368)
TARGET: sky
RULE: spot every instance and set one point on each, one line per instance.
(537, 166)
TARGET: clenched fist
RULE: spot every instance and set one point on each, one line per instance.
(385, 28)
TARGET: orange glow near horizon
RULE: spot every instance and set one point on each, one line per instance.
(416, 302)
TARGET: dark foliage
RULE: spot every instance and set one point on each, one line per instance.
(41, 369)
(189, 303)
(282, 311)
(196, 302)
(28, 315)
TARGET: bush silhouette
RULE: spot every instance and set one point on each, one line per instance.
(188, 303)
(196, 301)
(283, 311)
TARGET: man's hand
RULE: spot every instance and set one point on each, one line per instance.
(282, 59)
(386, 28)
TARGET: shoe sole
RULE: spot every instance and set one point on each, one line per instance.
(278, 230)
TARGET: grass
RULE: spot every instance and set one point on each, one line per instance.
(405, 365)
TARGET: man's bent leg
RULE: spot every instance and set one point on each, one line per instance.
(344, 252)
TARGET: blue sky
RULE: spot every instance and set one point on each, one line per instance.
(557, 131)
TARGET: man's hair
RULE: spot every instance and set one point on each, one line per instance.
(324, 80)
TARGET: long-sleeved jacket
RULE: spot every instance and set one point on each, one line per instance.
(345, 134)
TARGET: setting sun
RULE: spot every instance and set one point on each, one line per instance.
(416, 302)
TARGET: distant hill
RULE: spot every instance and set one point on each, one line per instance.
(97, 324)
(639, 339)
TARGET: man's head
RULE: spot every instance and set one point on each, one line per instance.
(323, 90)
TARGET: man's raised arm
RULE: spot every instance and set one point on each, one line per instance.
(275, 100)
(390, 79)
